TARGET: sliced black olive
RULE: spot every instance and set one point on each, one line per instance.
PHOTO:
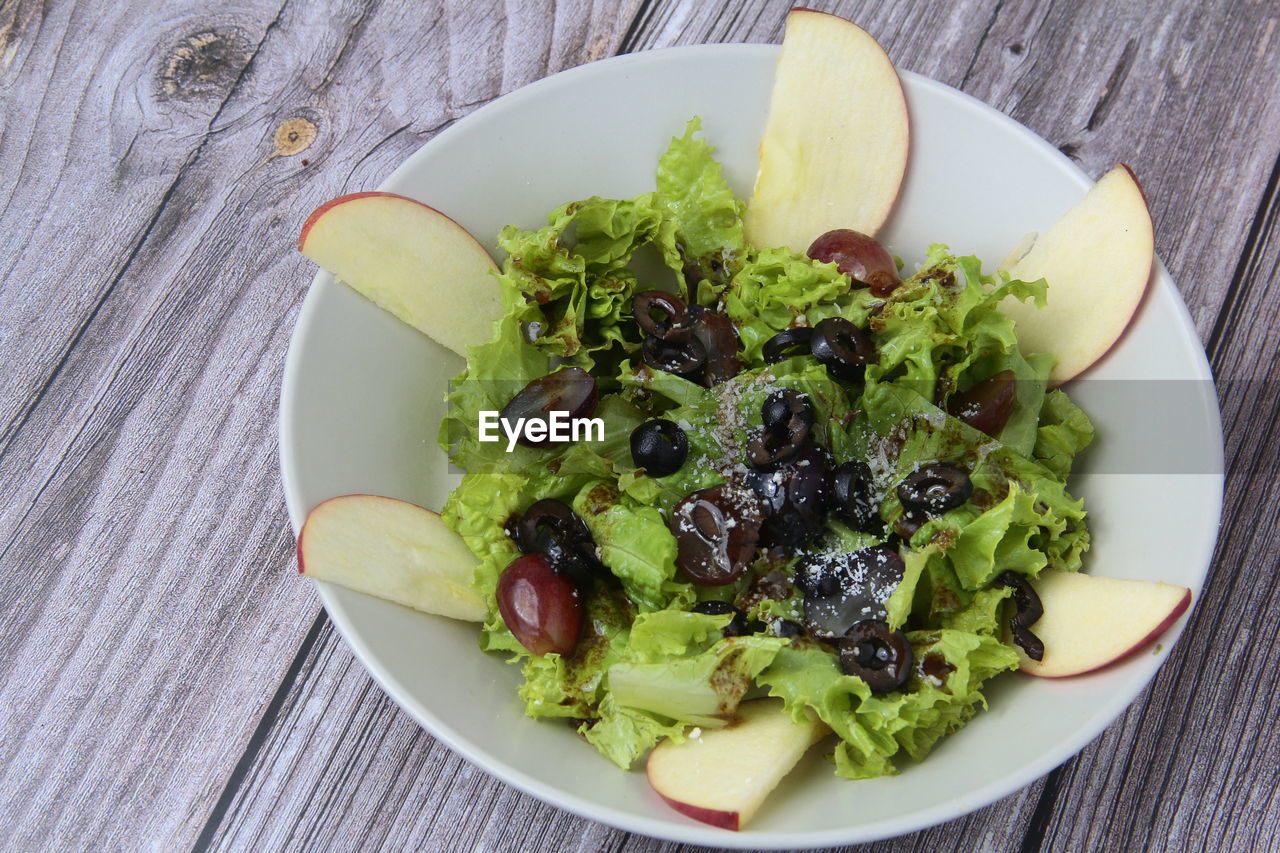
(935, 488)
(719, 340)
(787, 628)
(816, 578)
(551, 528)
(568, 557)
(679, 352)
(672, 306)
(787, 343)
(787, 417)
(769, 448)
(855, 496)
(552, 513)
(796, 496)
(716, 533)
(784, 404)
(770, 487)
(842, 347)
(737, 626)
(809, 489)
(1028, 611)
(788, 531)
(879, 656)
(659, 446)
(908, 523)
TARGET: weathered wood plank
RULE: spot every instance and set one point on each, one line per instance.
(96, 130)
(147, 611)
(367, 775)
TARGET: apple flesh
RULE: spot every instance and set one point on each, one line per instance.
(722, 776)
(1090, 621)
(410, 260)
(835, 144)
(394, 550)
(1097, 261)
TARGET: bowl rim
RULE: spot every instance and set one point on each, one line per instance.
(674, 827)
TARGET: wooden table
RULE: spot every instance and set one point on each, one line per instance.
(168, 681)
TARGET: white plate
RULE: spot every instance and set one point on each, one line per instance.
(362, 397)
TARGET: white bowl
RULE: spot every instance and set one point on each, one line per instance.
(362, 398)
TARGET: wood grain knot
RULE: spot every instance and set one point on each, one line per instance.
(205, 64)
(294, 136)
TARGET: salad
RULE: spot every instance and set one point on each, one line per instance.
(822, 478)
(730, 490)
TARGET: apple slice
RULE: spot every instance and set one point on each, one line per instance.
(1090, 622)
(394, 550)
(410, 260)
(1097, 260)
(723, 775)
(835, 145)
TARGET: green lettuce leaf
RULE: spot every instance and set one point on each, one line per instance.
(495, 372)
(646, 667)
(567, 284)
(777, 289)
(874, 728)
(623, 734)
(634, 542)
(1064, 430)
(706, 215)
(677, 671)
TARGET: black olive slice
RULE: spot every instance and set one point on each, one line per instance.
(936, 488)
(879, 656)
(787, 416)
(842, 347)
(552, 513)
(681, 354)
(787, 628)
(843, 589)
(737, 626)
(1028, 611)
(855, 497)
(786, 343)
(551, 528)
(782, 405)
(659, 446)
(796, 496)
(672, 306)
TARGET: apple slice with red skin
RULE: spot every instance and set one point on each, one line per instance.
(1090, 622)
(1097, 261)
(394, 550)
(721, 776)
(410, 260)
(835, 144)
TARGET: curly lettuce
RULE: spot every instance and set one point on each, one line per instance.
(647, 667)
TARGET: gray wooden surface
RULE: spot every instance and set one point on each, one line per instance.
(168, 682)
